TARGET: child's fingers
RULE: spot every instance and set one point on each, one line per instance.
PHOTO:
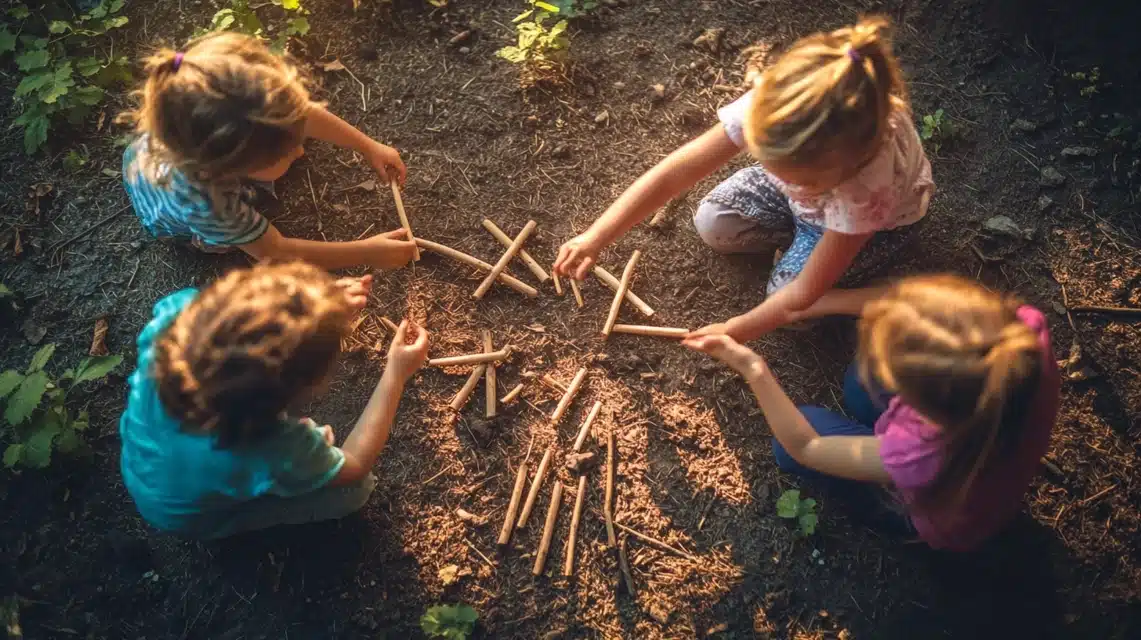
(584, 268)
(396, 234)
(401, 334)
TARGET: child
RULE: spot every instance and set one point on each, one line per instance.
(210, 448)
(964, 394)
(222, 114)
(840, 160)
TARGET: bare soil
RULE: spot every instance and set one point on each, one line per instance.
(695, 466)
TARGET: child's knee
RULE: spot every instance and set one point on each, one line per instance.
(723, 228)
(361, 492)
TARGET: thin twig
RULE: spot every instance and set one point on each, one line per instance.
(1124, 311)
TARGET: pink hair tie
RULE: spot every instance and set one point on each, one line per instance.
(855, 55)
(177, 61)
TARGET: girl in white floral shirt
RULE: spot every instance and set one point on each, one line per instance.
(840, 161)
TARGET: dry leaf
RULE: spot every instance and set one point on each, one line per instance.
(98, 348)
(449, 575)
(537, 328)
(335, 65)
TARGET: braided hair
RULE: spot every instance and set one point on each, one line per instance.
(248, 346)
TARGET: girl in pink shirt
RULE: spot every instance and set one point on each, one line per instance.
(839, 162)
(964, 396)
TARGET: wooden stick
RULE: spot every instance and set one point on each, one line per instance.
(657, 543)
(1124, 311)
(568, 397)
(505, 240)
(558, 285)
(471, 358)
(585, 430)
(577, 293)
(460, 400)
(552, 383)
(627, 273)
(404, 217)
(609, 280)
(504, 259)
(608, 507)
(489, 378)
(536, 485)
(513, 506)
(568, 562)
(657, 332)
(624, 566)
(548, 530)
(459, 256)
(388, 324)
(512, 394)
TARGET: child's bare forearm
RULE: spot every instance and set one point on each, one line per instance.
(327, 255)
(840, 302)
(371, 432)
(324, 125)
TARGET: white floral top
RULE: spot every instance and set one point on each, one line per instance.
(890, 191)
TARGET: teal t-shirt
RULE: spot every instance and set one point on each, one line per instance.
(180, 481)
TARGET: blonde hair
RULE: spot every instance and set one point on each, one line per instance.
(959, 355)
(225, 107)
(829, 96)
(247, 346)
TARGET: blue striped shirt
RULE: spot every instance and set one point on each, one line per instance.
(174, 206)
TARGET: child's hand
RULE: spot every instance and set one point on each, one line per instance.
(405, 359)
(390, 250)
(330, 437)
(740, 358)
(715, 329)
(356, 290)
(387, 162)
(577, 256)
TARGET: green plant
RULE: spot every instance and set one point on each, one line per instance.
(937, 129)
(1090, 80)
(449, 621)
(791, 507)
(536, 44)
(10, 617)
(36, 412)
(66, 61)
(241, 17)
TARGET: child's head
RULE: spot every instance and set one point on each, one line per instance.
(248, 346)
(820, 113)
(225, 108)
(959, 355)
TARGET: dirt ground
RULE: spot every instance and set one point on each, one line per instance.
(695, 464)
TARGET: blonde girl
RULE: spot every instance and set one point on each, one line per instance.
(219, 117)
(839, 161)
(954, 393)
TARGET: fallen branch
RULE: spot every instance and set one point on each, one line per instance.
(516, 245)
(63, 243)
(507, 279)
(505, 240)
(460, 400)
(548, 530)
(572, 538)
(608, 507)
(657, 543)
(623, 285)
(657, 332)
(576, 291)
(403, 217)
(471, 358)
(624, 567)
(585, 430)
(489, 378)
(568, 397)
(1121, 311)
(536, 485)
(513, 506)
(609, 280)
(512, 394)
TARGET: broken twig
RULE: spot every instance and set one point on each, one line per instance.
(513, 506)
(548, 530)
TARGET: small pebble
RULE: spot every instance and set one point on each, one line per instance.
(1051, 177)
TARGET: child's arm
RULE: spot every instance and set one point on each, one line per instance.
(382, 251)
(368, 437)
(854, 457)
(840, 302)
(829, 260)
(323, 125)
(679, 171)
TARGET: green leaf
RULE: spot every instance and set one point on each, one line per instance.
(9, 380)
(61, 83)
(7, 40)
(549, 8)
(808, 523)
(88, 66)
(557, 30)
(13, 455)
(512, 54)
(298, 27)
(34, 82)
(523, 16)
(115, 23)
(40, 360)
(788, 503)
(938, 114)
(807, 505)
(19, 12)
(116, 6)
(68, 441)
(33, 59)
(289, 5)
(89, 95)
(81, 422)
(95, 368)
(35, 133)
(26, 398)
(38, 448)
(59, 26)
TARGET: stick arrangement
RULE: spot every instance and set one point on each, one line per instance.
(623, 286)
(568, 397)
(471, 358)
(558, 285)
(460, 400)
(513, 507)
(403, 217)
(536, 485)
(577, 292)
(512, 394)
(505, 240)
(516, 245)
(609, 280)
(657, 332)
(585, 431)
(568, 563)
(608, 506)
(548, 530)
(489, 378)
(459, 256)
